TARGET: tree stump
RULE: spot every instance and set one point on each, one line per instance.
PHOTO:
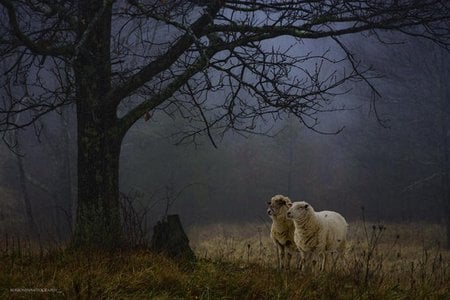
(169, 238)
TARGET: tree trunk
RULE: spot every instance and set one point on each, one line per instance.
(31, 224)
(98, 219)
(68, 172)
(32, 227)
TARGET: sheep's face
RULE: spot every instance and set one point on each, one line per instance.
(298, 210)
(278, 206)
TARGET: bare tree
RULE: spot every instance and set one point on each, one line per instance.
(119, 61)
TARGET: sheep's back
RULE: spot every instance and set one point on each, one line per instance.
(335, 225)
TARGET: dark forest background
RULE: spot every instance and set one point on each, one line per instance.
(387, 158)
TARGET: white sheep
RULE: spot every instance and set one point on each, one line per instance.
(317, 234)
(282, 231)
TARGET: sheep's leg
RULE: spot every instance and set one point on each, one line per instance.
(315, 263)
(338, 255)
(341, 252)
(333, 260)
(340, 260)
(278, 256)
(301, 262)
(298, 260)
(325, 261)
(288, 260)
(282, 254)
(307, 262)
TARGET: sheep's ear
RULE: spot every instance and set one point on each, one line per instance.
(289, 204)
(306, 206)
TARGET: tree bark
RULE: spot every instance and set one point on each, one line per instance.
(98, 219)
(70, 175)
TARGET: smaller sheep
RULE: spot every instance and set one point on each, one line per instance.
(317, 233)
(282, 231)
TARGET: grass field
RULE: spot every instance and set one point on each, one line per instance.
(237, 261)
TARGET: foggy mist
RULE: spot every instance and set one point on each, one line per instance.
(223, 149)
(384, 163)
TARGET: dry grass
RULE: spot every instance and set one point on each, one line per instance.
(237, 261)
(251, 242)
(406, 258)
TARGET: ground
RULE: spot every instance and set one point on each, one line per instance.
(237, 261)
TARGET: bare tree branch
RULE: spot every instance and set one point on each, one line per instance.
(205, 39)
